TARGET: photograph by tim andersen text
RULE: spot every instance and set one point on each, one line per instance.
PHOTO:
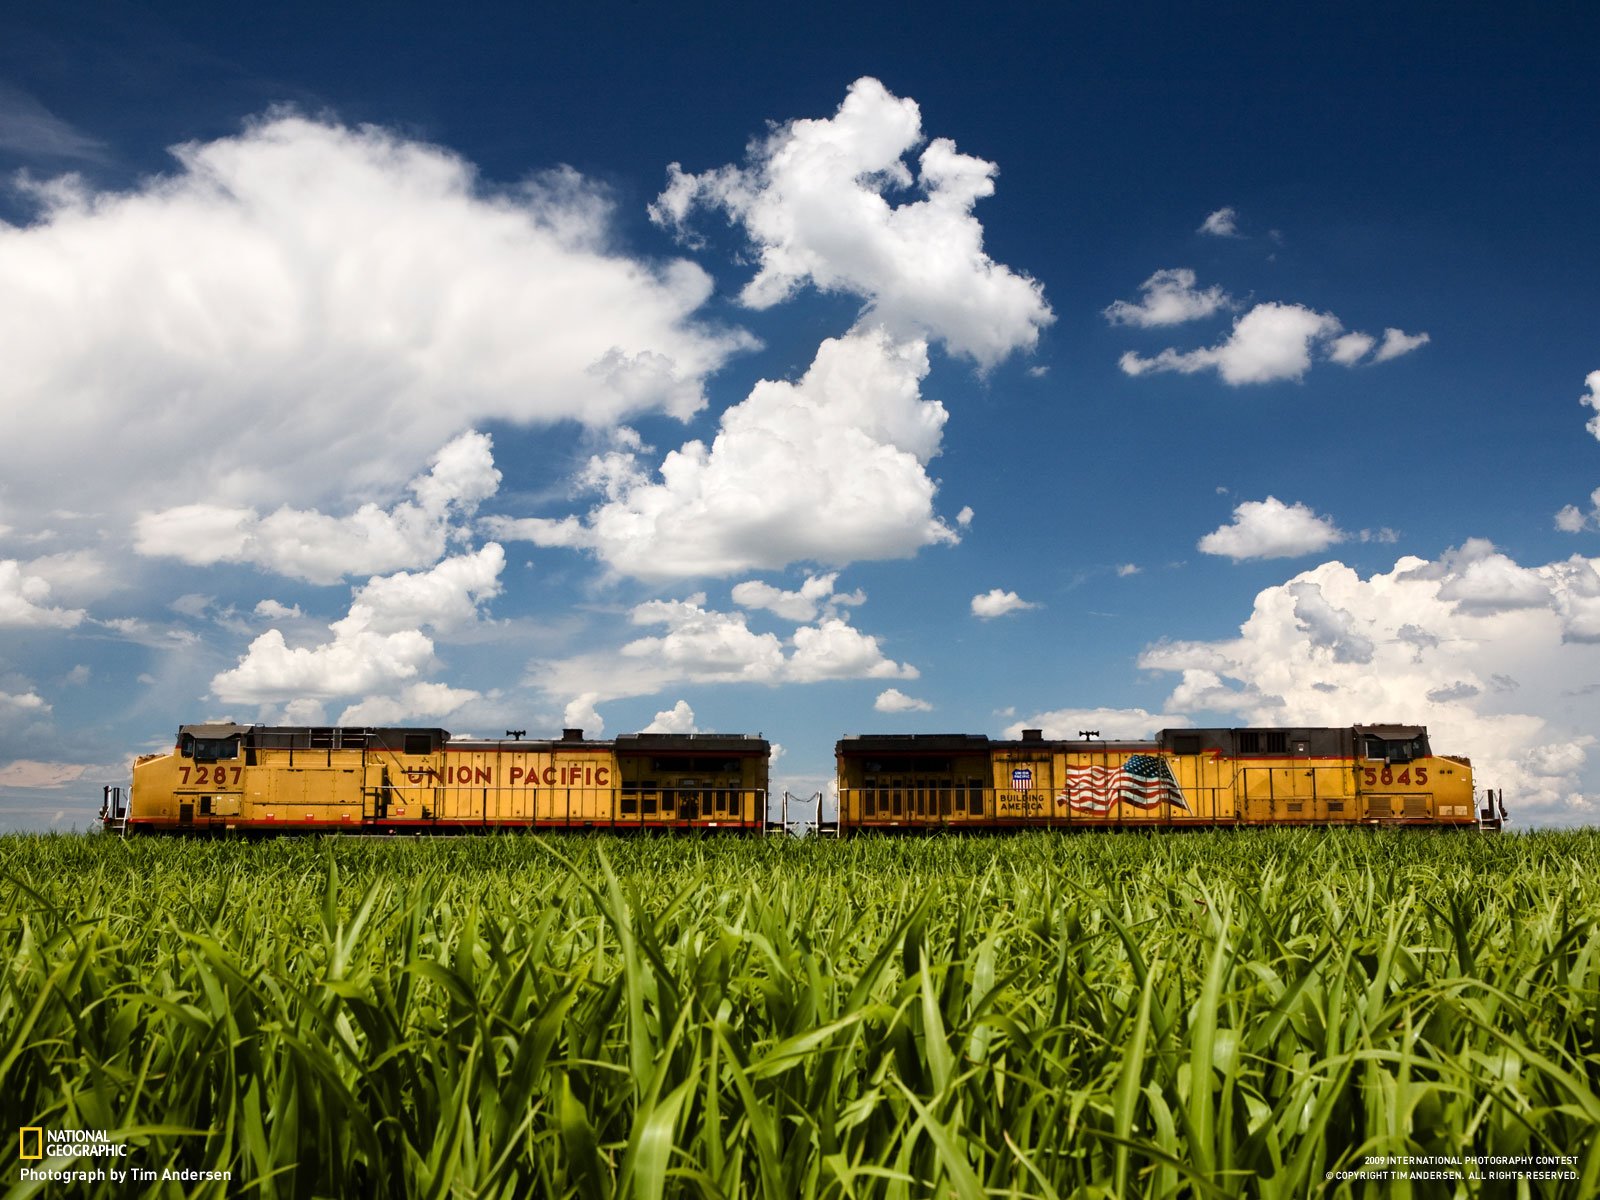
(850, 602)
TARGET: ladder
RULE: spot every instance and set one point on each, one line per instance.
(114, 811)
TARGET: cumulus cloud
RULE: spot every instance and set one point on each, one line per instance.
(1592, 399)
(830, 469)
(379, 649)
(815, 595)
(1169, 298)
(1479, 579)
(1436, 643)
(1329, 627)
(998, 603)
(339, 302)
(274, 610)
(835, 649)
(1572, 519)
(1396, 343)
(677, 719)
(814, 199)
(1271, 342)
(1222, 223)
(1205, 691)
(893, 700)
(702, 645)
(1350, 348)
(25, 601)
(16, 704)
(418, 701)
(323, 549)
(1271, 529)
(581, 713)
(1274, 342)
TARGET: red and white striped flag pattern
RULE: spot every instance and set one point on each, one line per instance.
(1143, 781)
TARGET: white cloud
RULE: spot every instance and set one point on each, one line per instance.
(274, 610)
(1271, 529)
(1592, 399)
(677, 719)
(893, 700)
(1206, 691)
(1572, 519)
(1328, 626)
(24, 601)
(1396, 343)
(322, 549)
(1271, 342)
(581, 713)
(1274, 342)
(1479, 579)
(27, 773)
(1222, 223)
(816, 595)
(340, 301)
(23, 702)
(998, 603)
(830, 469)
(1350, 348)
(1127, 569)
(813, 199)
(1112, 724)
(834, 649)
(1436, 643)
(424, 701)
(378, 649)
(445, 597)
(702, 646)
(1170, 298)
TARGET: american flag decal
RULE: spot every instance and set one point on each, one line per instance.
(1143, 781)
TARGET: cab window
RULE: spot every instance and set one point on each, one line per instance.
(210, 749)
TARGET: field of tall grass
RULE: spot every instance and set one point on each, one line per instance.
(1113, 1015)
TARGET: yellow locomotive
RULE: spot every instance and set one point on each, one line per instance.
(1186, 778)
(276, 779)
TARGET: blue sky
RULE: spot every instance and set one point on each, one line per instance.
(1103, 370)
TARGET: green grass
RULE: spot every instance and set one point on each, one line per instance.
(1131, 1015)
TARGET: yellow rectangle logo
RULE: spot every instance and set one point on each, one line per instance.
(38, 1141)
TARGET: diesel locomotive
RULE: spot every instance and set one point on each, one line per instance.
(279, 779)
(1184, 778)
(224, 778)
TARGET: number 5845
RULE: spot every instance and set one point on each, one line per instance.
(1372, 776)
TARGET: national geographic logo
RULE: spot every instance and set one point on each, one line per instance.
(35, 1142)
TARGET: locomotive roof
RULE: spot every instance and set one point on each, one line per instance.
(1321, 739)
(353, 736)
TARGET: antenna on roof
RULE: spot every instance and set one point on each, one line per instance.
(516, 735)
